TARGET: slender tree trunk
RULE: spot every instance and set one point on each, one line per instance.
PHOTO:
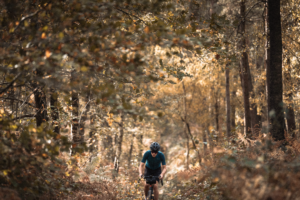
(130, 150)
(290, 114)
(212, 11)
(84, 117)
(228, 125)
(54, 110)
(140, 144)
(11, 94)
(187, 149)
(204, 137)
(119, 145)
(274, 75)
(266, 64)
(92, 134)
(211, 143)
(217, 131)
(40, 101)
(245, 73)
(75, 112)
(233, 105)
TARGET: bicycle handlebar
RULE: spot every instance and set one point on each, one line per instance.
(145, 177)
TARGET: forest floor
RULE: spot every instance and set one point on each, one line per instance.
(257, 171)
(251, 171)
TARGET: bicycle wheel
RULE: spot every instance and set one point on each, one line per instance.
(150, 194)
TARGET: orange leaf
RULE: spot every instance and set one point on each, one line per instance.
(146, 29)
(48, 53)
(175, 40)
(59, 46)
(43, 36)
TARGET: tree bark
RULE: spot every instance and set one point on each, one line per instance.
(274, 75)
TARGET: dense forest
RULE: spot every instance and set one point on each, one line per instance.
(87, 85)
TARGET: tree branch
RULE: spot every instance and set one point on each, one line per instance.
(30, 16)
(10, 84)
(25, 102)
(23, 116)
(129, 15)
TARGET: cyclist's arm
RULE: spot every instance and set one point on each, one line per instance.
(141, 168)
(164, 170)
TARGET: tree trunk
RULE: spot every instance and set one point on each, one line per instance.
(187, 149)
(211, 10)
(93, 139)
(77, 139)
(84, 117)
(217, 118)
(130, 150)
(40, 101)
(274, 75)
(187, 126)
(266, 63)
(204, 137)
(290, 114)
(54, 110)
(119, 145)
(228, 127)
(140, 144)
(245, 73)
(211, 143)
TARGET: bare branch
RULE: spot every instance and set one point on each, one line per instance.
(31, 15)
(130, 15)
(23, 116)
(10, 84)
(25, 102)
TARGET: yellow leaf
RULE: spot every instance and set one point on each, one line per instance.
(13, 127)
(83, 69)
(61, 35)
(67, 174)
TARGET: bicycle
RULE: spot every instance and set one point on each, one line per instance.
(151, 180)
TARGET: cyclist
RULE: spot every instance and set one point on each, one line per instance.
(155, 166)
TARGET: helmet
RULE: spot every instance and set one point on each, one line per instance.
(154, 146)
